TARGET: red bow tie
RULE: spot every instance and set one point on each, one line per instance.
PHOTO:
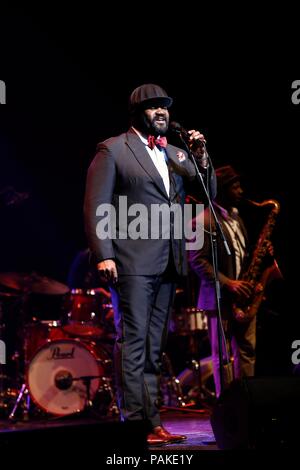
(160, 141)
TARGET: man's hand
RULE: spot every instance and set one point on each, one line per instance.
(108, 270)
(196, 138)
(241, 290)
(197, 146)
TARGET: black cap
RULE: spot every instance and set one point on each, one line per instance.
(148, 95)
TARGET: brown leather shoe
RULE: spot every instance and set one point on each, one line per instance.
(162, 433)
(154, 440)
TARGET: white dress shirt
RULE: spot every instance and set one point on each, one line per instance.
(237, 238)
(158, 156)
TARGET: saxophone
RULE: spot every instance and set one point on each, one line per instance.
(255, 274)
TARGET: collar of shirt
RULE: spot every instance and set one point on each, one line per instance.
(232, 213)
(159, 159)
(145, 139)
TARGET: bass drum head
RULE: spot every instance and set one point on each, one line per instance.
(51, 375)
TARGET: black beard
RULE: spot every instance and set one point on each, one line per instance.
(147, 126)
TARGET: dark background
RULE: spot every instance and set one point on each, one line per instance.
(69, 73)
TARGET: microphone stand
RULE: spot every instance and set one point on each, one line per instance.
(213, 238)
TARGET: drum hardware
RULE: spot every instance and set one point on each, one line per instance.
(17, 291)
(189, 386)
(23, 394)
(63, 377)
(173, 384)
(86, 316)
(112, 408)
(80, 357)
(64, 381)
(199, 368)
(189, 320)
(197, 381)
(7, 396)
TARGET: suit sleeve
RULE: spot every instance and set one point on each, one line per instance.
(200, 261)
(100, 185)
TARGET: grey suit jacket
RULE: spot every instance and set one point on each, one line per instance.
(123, 167)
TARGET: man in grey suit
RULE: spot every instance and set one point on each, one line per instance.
(135, 173)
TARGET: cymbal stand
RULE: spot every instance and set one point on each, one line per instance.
(2, 355)
(112, 407)
(198, 391)
(173, 382)
(23, 394)
(24, 391)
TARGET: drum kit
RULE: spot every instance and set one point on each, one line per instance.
(57, 348)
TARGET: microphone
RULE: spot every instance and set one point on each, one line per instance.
(185, 136)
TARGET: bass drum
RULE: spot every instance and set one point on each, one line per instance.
(56, 375)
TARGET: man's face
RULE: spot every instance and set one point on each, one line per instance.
(156, 120)
(235, 193)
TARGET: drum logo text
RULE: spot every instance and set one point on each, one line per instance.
(56, 353)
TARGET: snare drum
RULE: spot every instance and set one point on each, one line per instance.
(55, 376)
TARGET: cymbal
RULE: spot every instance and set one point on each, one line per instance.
(8, 294)
(32, 283)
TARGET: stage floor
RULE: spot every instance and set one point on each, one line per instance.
(195, 425)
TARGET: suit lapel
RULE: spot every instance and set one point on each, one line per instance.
(172, 165)
(140, 153)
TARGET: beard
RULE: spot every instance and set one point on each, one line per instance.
(158, 125)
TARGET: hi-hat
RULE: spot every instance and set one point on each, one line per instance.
(32, 283)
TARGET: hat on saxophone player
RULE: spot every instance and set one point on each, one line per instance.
(226, 175)
(148, 95)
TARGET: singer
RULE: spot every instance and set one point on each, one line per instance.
(142, 273)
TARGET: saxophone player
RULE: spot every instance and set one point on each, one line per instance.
(241, 337)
